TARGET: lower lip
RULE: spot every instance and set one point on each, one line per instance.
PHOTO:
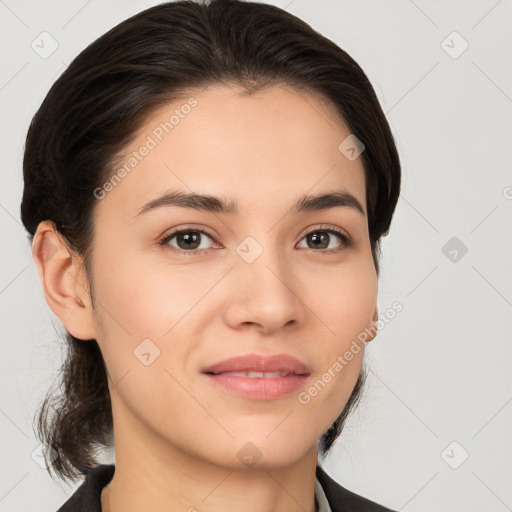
(258, 388)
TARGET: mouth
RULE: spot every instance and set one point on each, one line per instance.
(257, 364)
(264, 375)
(259, 377)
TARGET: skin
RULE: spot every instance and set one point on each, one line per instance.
(176, 434)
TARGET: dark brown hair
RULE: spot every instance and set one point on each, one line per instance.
(96, 107)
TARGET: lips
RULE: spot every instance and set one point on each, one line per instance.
(266, 375)
(256, 365)
(259, 377)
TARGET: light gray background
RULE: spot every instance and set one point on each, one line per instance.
(441, 369)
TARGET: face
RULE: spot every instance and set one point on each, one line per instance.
(266, 279)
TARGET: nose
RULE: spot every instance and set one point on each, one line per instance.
(264, 294)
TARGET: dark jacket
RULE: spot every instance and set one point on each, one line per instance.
(87, 497)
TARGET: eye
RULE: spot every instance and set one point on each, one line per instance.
(192, 241)
(188, 240)
(320, 238)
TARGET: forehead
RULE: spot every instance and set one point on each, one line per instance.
(271, 146)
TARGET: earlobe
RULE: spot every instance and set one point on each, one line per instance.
(64, 286)
(373, 329)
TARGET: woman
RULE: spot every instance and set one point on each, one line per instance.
(206, 187)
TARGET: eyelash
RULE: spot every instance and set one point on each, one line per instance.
(322, 229)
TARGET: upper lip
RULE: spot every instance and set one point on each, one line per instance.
(259, 363)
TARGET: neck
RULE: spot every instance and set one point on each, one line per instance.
(159, 478)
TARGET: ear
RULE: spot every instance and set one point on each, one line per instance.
(373, 329)
(65, 286)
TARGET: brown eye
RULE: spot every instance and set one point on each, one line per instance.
(325, 240)
(190, 241)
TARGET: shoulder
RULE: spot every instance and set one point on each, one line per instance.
(343, 500)
(87, 497)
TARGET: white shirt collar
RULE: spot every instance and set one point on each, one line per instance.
(321, 499)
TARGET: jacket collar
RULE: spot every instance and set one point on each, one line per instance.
(88, 496)
(343, 500)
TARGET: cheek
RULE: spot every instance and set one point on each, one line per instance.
(345, 307)
(139, 310)
(348, 300)
(142, 300)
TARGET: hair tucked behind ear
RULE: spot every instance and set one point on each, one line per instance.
(334, 431)
(100, 101)
(79, 420)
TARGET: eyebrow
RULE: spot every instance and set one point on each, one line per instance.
(208, 203)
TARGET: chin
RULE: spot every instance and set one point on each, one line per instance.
(261, 452)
